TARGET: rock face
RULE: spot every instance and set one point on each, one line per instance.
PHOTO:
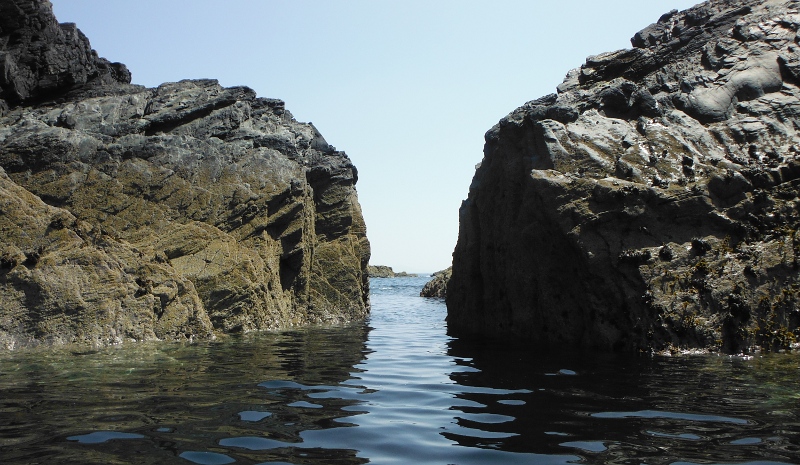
(652, 203)
(175, 212)
(41, 58)
(437, 286)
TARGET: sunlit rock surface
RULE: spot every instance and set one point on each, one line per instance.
(169, 213)
(437, 286)
(652, 203)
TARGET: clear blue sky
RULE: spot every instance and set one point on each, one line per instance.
(406, 87)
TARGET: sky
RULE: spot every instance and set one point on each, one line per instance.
(407, 88)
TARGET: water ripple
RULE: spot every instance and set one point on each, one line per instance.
(396, 390)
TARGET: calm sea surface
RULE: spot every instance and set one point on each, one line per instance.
(394, 390)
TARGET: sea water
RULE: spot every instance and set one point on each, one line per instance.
(395, 389)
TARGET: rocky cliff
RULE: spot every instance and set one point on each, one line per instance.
(176, 212)
(652, 202)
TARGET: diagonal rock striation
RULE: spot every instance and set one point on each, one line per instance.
(652, 202)
(178, 212)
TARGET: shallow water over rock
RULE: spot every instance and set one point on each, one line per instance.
(394, 390)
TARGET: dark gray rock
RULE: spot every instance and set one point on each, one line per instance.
(580, 231)
(178, 212)
(41, 58)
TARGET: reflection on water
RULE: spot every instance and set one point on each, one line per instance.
(396, 390)
(613, 408)
(154, 403)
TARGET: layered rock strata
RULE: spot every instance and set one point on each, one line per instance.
(652, 202)
(176, 212)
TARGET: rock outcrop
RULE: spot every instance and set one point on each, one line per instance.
(437, 286)
(41, 58)
(652, 203)
(383, 271)
(177, 212)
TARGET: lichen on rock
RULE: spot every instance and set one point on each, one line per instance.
(652, 203)
(177, 212)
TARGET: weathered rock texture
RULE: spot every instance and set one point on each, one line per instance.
(652, 203)
(175, 212)
(437, 286)
(41, 58)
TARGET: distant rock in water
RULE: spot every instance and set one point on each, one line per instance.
(437, 287)
(177, 212)
(381, 271)
(652, 203)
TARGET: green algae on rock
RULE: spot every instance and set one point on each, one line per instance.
(169, 213)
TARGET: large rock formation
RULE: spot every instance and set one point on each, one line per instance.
(652, 203)
(175, 212)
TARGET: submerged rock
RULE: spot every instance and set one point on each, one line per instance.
(652, 203)
(437, 286)
(170, 213)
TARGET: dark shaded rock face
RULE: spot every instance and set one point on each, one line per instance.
(170, 213)
(42, 58)
(652, 204)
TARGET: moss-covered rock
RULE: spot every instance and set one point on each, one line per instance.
(213, 209)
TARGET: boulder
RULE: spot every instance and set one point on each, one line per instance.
(175, 212)
(437, 286)
(652, 203)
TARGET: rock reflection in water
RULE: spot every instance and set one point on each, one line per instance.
(612, 407)
(153, 403)
(398, 391)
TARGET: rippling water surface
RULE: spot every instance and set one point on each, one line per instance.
(396, 390)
